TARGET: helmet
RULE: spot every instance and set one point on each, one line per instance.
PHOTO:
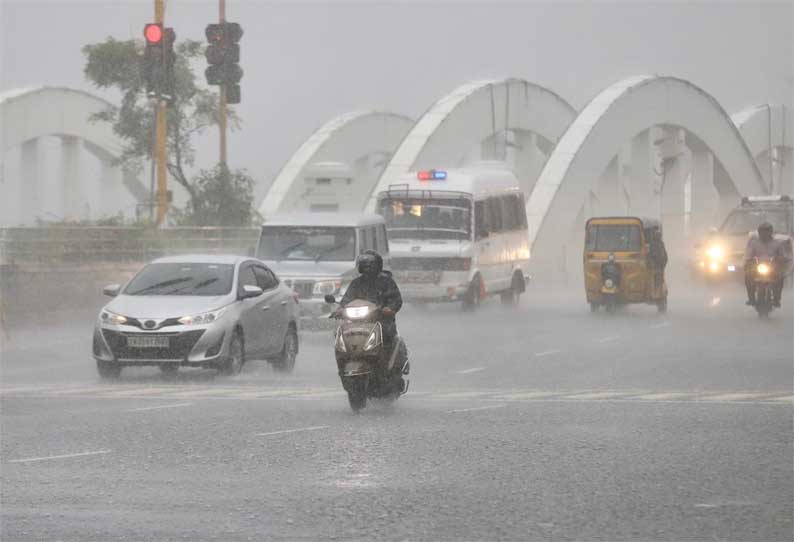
(370, 263)
(765, 231)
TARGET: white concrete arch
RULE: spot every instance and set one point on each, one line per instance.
(478, 113)
(619, 113)
(768, 130)
(349, 151)
(30, 113)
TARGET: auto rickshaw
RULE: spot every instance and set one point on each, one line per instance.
(617, 265)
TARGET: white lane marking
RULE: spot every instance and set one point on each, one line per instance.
(523, 396)
(608, 340)
(733, 397)
(158, 407)
(661, 396)
(474, 409)
(469, 371)
(65, 456)
(599, 395)
(459, 394)
(546, 353)
(663, 324)
(785, 399)
(285, 431)
(715, 301)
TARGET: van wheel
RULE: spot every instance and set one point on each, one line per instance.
(473, 296)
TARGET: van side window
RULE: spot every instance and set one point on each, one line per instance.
(509, 216)
(383, 244)
(373, 239)
(522, 212)
(480, 219)
(495, 222)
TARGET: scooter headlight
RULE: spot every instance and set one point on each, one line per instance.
(340, 341)
(763, 269)
(356, 312)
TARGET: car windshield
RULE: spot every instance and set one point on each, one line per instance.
(423, 218)
(743, 221)
(204, 279)
(307, 243)
(613, 238)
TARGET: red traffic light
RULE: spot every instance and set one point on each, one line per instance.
(153, 33)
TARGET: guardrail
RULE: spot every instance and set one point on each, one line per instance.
(98, 244)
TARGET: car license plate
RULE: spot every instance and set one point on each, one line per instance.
(419, 277)
(147, 342)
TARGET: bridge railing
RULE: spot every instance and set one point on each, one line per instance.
(108, 244)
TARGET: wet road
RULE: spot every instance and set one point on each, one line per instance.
(541, 422)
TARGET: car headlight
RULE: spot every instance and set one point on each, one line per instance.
(763, 269)
(608, 283)
(373, 340)
(112, 318)
(204, 318)
(715, 252)
(356, 312)
(340, 341)
(326, 287)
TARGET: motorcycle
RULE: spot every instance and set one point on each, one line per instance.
(367, 370)
(764, 278)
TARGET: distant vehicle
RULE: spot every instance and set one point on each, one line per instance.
(458, 235)
(197, 311)
(315, 253)
(617, 269)
(721, 254)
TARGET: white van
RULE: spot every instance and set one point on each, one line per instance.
(457, 235)
(315, 253)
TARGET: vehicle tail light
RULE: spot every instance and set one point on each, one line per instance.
(458, 264)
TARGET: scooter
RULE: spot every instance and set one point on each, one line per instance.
(367, 370)
(610, 276)
(764, 277)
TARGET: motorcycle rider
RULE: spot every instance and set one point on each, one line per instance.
(765, 246)
(658, 255)
(377, 286)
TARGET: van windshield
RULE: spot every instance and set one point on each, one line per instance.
(424, 218)
(304, 243)
(613, 238)
(742, 222)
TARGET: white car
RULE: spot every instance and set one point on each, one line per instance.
(198, 311)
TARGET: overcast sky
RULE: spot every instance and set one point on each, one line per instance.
(306, 62)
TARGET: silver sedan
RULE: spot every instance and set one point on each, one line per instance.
(198, 311)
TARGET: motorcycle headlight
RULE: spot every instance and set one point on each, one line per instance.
(715, 252)
(356, 312)
(204, 318)
(763, 269)
(608, 283)
(340, 341)
(112, 318)
(372, 341)
(326, 287)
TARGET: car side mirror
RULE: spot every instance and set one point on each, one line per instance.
(251, 291)
(330, 299)
(111, 290)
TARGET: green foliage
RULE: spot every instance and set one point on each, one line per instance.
(223, 198)
(115, 65)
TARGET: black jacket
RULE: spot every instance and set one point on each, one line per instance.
(658, 253)
(382, 291)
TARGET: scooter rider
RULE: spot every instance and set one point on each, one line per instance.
(765, 246)
(376, 286)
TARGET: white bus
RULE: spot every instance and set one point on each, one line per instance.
(457, 235)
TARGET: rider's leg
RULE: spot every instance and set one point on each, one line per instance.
(777, 291)
(748, 283)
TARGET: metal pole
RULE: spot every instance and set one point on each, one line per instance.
(222, 103)
(769, 140)
(160, 136)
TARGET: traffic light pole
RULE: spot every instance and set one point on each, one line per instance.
(222, 103)
(160, 137)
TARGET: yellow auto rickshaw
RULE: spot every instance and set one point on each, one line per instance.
(618, 265)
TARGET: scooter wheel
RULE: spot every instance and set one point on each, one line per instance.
(357, 394)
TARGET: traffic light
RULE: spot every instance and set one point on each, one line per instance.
(157, 65)
(223, 54)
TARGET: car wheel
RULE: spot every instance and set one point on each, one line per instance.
(233, 363)
(286, 360)
(108, 369)
(169, 368)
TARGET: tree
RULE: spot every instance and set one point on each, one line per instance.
(115, 65)
(226, 199)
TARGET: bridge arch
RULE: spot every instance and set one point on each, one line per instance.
(484, 116)
(337, 166)
(768, 130)
(642, 110)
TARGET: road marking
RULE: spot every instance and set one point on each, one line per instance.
(663, 324)
(608, 340)
(469, 371)
(546, 353)
(733, 396)
(66, 456)
(785, 399)
(459, 394)
(598, 395)
(523, 396)
(660, 396)
(158, 407)
(474, 409)
(285, 431)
